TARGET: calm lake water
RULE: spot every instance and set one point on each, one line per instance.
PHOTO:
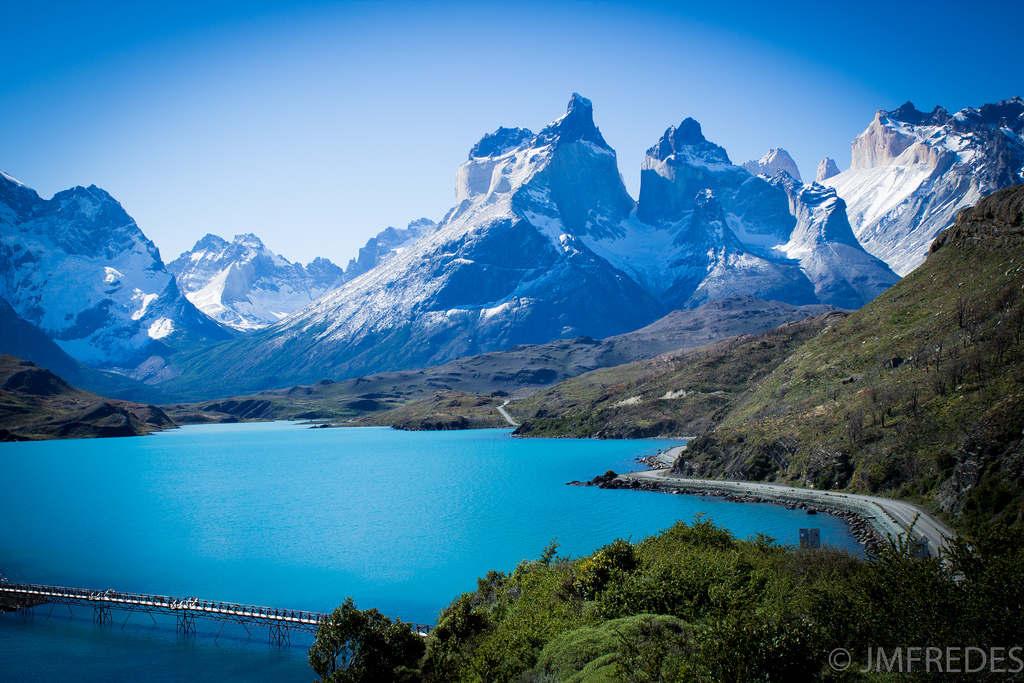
(282, 515)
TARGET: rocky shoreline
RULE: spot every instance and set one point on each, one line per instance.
(860, 528)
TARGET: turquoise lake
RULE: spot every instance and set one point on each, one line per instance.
(283, 515)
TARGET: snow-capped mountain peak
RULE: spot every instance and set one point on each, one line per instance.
(912, 171)
(773, 161)
(575, 125)
(79, 268)
(499, 142)
(686, 142)
(565, 177)
(386, 244)
(245, 285)
(510, 263)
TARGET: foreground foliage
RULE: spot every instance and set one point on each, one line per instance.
(693, 603)
(364, 645)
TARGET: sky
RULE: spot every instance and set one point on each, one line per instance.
(316, 124)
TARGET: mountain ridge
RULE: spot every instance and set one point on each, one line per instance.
(245, 285)
(912, 171)
(78, 267)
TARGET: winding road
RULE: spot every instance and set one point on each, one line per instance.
(890, 517)
(505, 414)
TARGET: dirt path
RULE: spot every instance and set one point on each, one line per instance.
(504, 414)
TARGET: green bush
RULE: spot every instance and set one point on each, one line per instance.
(693, 603)
(357, 645)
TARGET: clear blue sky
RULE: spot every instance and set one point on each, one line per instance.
(315, 124)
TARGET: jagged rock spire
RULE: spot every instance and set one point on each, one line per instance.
(827, 168)
(576, 124)
(687, 137)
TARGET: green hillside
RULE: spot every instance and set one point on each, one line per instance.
(695, 604)
(37, 404)
(681, 393)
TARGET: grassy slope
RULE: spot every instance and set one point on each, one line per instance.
(676, 394)
(37, 404)
(919, 394)
(443, 410)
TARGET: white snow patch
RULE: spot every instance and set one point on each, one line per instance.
(672, 395)
(160, 328)
(111, 275)
(488, 313)
(144, 300)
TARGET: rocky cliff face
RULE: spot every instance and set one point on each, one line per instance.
(704, 228)
(911, 172)
(245, 285)
(843, 273)
(79, 268)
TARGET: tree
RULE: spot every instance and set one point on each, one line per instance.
(364, 645)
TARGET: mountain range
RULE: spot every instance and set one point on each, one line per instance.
(78, 267)
(244, 285)
(911, 172)
(544, 242)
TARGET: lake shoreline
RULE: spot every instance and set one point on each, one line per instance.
(870, 531)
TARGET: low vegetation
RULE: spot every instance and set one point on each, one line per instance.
(37, 404)
(364, 645)
(694, 603)
(676, 394)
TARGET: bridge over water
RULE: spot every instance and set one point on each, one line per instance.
(280, 622)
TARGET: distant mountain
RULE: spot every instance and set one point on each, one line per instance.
(245, 285)
(911, 172)
(706, 229)
(826, 169)
(385, 244)
(775, 160)
(78, 267)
